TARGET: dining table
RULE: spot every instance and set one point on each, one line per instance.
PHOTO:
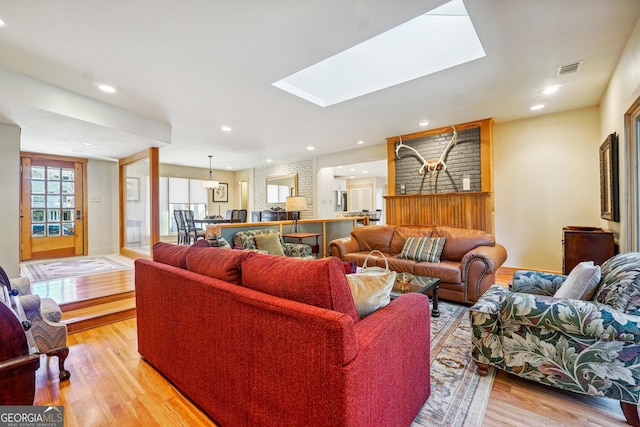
(212, 221)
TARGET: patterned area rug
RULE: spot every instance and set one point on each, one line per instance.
(70, 267)
(459, 396)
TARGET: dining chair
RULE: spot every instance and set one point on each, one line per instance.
(376, 216)
(192, 230)
(182, 228)
(239, 215)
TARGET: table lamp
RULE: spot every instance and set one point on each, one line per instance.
(295, 204)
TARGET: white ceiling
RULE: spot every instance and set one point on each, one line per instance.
(184, 69)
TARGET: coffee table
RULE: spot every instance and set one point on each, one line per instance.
(424, 285)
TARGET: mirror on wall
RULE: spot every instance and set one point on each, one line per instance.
(280, 187)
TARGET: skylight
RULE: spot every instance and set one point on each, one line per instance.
(435, 41)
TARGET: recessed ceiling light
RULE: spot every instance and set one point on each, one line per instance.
(2, 24)
(86, 143)
(228, 167)
(551, 89)
(537, 107)
(418, 45)
(106, 88)
(339, 167)
(310, 148)
(365, 171)
(352, 170)
(351, 177)
(225, 129)
(360, 142)
(269, 160)
(423, 123)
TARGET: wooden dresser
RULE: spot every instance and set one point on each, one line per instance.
(585, 244)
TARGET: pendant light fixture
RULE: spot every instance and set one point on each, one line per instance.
(210, 184)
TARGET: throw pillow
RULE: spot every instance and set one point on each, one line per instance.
(620, 282)
(269, 242)
(581, 282)
(217, 241)
(350, 267)
(423, 248)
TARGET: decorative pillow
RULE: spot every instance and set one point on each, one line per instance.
(620, 282)
(350, 266)
(423, 248)
(217, 241)
(269, 242)
(581, 283)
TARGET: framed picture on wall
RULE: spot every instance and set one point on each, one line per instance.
(221, 194)
(609, 196)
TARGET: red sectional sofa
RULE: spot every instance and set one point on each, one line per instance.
(262, 340)
(467, 267)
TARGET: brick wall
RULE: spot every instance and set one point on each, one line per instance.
(306, 184)
(463, 159)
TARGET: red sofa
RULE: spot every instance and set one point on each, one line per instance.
(262, 340)
(468, 264)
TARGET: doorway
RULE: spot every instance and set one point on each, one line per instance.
(52, 207)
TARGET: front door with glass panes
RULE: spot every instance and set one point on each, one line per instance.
(52, 214)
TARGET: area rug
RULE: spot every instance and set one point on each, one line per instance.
(71, 267)
(459, 396)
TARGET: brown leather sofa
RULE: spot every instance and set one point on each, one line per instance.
(467, 267)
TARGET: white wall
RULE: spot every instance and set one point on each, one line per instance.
(10, 196)
(623, 90)
(246, 175)
(102, 184)
(359, 155)
(546, 177)
(326, 196)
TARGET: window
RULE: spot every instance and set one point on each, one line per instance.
(180, 193)
(632, 184)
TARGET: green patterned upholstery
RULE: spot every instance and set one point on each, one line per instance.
(246, 240)
(589, 347)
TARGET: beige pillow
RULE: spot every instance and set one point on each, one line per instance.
(269, 242)
(581, 283)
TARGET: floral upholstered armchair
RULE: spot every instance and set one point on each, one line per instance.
(247, 240)
(590, 347)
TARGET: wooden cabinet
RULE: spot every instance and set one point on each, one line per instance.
(360, 198)
(585, 244)
(270, 215)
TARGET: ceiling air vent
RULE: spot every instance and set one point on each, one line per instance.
(574, 67)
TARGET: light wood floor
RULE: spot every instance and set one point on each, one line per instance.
(111, 385)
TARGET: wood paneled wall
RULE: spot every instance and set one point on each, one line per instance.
(464, 209)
